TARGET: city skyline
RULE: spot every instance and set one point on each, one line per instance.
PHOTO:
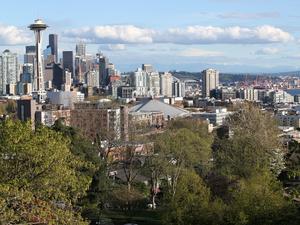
(229, 35)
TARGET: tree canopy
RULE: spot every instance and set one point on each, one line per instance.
(40, 178)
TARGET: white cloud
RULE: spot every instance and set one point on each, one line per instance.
(116, 34)
(113, 47)
(227, 35)
(196, 52)
(11, 35)
(129, 34)
(267, 51)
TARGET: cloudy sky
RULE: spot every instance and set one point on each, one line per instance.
(230, 35)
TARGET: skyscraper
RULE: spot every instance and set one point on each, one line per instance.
(147, 68)
(30, 54)
(140, 81)
(153, 83)
(68, 61)
(9, 70)
(30, 49)
(67, 81)
(81, 49)
(53, 45)
(178, 88)
(210, 81)
(103, 72)
(27, 74)
(166, 80)
(58, 76)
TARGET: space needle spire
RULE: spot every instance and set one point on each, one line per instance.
(39, 92)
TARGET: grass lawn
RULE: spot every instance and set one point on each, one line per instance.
(144, 217)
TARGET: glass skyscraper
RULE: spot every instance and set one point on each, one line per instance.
(9, 70)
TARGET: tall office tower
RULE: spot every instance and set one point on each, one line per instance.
(210, 81)
(67, 81)
(110, 70)
(29, 54)
(153, 83)
(103, 73)
(79, 68)
(92, 78)
(81, 49)
(147, 68)
(178, 88)
(166, 80)
(38, 26)
(53, 46)
(27, 74)
(68, 61)
(47, 56)
(140, 82)
(30, 49)
(9, 70)
(58, 76)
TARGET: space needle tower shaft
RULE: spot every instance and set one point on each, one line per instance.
(37, 27)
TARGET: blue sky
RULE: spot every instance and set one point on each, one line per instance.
(230, 35)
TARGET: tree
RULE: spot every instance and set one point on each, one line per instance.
(95, 153)
(156, 168)
(253, 146)
(191, 204)
(182, 148)
(260, 201)
(11, 106)
(290, 176)
(38, 173)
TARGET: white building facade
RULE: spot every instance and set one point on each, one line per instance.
(166, 80)
(9, 70)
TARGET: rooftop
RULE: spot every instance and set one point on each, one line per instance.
(154, 105)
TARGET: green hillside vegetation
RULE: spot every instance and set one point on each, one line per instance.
(56, 176)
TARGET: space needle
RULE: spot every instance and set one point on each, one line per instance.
(39, 92)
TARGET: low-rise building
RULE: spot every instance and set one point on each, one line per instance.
(155, 105)
(94, 119)
(216, 116)
(288, 120)
(147, 119)
(49, 116)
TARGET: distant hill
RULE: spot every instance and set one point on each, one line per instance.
(233, 77)
(224, 77)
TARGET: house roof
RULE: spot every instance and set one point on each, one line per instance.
(154, 105)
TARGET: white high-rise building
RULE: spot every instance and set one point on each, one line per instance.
(92, 78)
(81, 49)
(210, 81)
(67, 81)
(9, 70)
(249, 94)
(178, 88)
(280, 96)
(139, 81)
(166, 80)
(153, 83)
(147, 68)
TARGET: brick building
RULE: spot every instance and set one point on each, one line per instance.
(94, 119)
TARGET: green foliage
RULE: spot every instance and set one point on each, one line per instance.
(293, 160)
(290, 176)
(2, 108)
(179, 149)
(191, 204)
(11, 106)
(38, 164)
(254, 145)
(259, 201)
